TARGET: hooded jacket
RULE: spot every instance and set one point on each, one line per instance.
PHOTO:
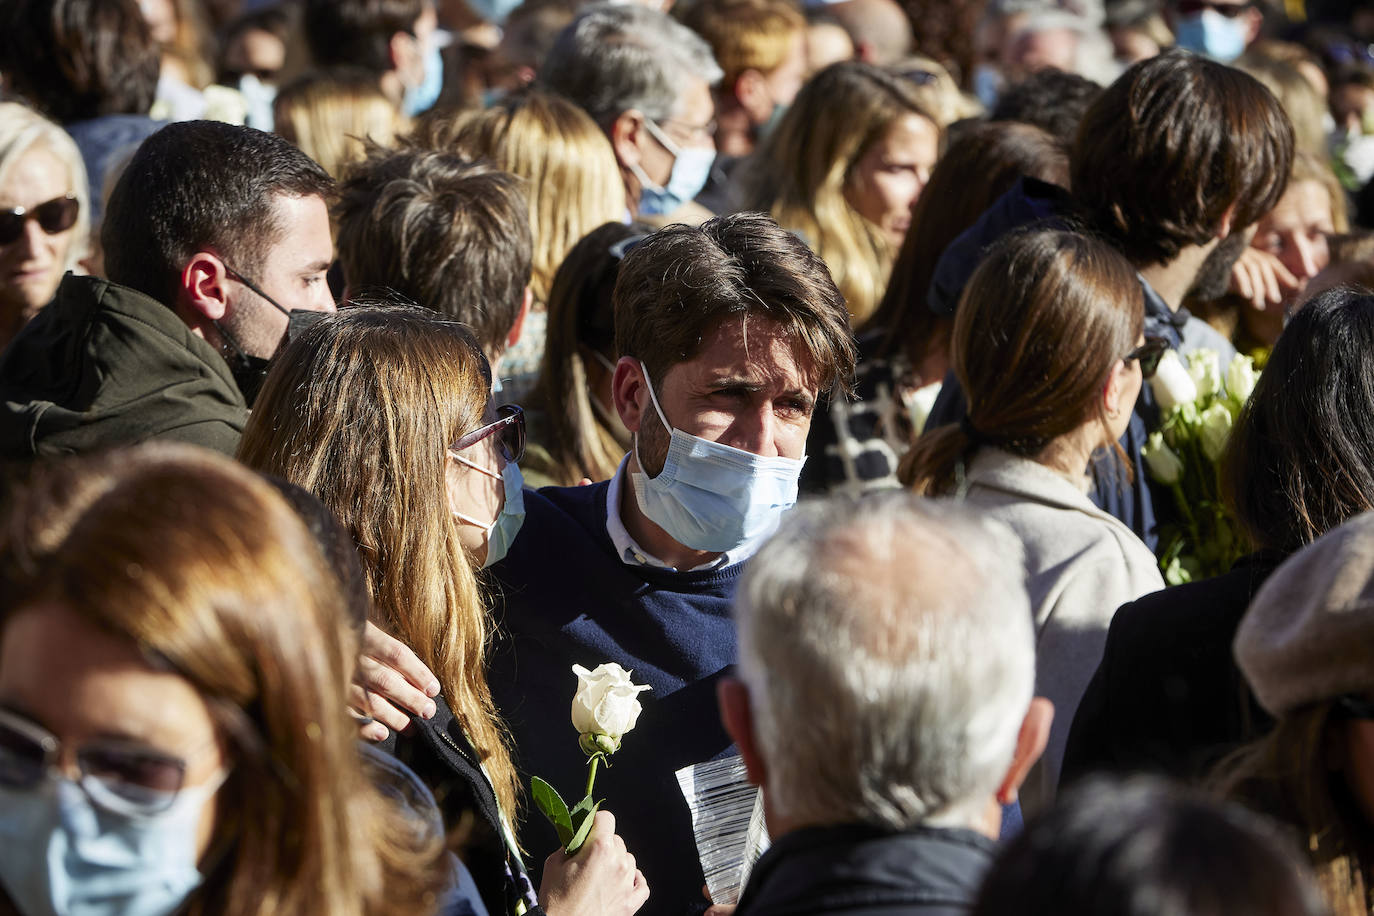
(104, 365)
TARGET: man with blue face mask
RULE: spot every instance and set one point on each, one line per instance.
(398, 40)
(646, 80)
(1219, 29)
(722, 358)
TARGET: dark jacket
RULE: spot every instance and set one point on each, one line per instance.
(865, 870)
(439, 753)
(105, 365)
(1168, 696)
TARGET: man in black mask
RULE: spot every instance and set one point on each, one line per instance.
(216, 242)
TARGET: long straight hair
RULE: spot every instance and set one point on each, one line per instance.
(1042, 322)
(215, 577)
(360, 410)
(799, 173)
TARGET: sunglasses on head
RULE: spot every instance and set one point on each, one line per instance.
(510, 428)
(54, 216)
(123, 777)
(1149, 354)
(1193, 7)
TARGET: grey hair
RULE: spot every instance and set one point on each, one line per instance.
(889, 653)
(616, 57)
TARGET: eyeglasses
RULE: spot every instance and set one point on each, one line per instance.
(1149, 353)
(123, 777)
(692, 130)
(1193, 7)
(511, 429)
(54, 216)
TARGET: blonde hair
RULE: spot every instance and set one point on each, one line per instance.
(937, 91)
(360, 410)
(23, 129)
(1300, 100)
(800, 172)
(208, 569)
(1310, 167)
(746, 34)
(1288, 776)
(331, 115)
(573, 182)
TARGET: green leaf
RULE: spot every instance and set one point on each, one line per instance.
(586, 804)
(583, 829)
(547, 800)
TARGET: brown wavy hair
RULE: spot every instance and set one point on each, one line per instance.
(209, 570)
(1042, 322)
(360, 410)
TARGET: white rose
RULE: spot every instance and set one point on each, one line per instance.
(1172, 384)
(1165, 466)
(919, 403)
(1241, 377)
(1204, 366)
(1215, 430)
(605, 705)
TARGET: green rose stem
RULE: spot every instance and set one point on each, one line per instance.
(591, 772)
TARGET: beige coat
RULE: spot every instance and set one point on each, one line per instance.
(1081, 565)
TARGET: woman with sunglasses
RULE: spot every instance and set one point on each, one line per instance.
(383, 412)
(172, 650)
(1048, 344)
(44, 214)
(1299, 462)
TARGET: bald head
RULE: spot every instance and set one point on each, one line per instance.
(879, 29)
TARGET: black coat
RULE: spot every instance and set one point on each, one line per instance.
(440, 754)
(1168, 696)
(857, 869)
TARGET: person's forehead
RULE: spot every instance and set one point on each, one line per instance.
(694, 106)
(755, 347)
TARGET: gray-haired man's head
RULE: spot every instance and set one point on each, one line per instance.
(887, 665)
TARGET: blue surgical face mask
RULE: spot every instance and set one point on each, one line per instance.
(493, 11)
(64, 856)
(419, 99)
(503, 529)
(1212, 34)
(691, 169)
(710, 496)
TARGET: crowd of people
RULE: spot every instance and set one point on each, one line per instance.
(375, 372)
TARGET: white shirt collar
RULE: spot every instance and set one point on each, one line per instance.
(629, 551)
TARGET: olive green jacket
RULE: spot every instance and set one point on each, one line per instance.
(104, 365)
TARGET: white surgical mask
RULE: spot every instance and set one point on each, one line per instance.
(65, 856)
(1212, 34)
(503, 529)
(691, 169)
(711, 496)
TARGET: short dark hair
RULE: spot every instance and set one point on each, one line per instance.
(357, 33)
(75, 60)
(1301, 458)
(682, 281)
(443, 231)
(199, 185)
(1142, 847)
(1170, 146)
(1052, 100)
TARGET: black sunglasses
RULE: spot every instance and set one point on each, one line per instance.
(1193, 7)
(54, 216)
(510, 428)
(1149, 353)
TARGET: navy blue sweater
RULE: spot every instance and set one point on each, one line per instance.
(564, 597)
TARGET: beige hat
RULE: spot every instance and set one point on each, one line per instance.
(1309, 633)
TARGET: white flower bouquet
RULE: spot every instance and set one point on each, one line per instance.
(604, 708)
(1200, 403)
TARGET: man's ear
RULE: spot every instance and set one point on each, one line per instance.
(751, 91)
(625, 136)
(203, 293)
(1227, 219)
(514, 336)
(737, 715)
(405, 54)
(1030, 744)
(629, 391)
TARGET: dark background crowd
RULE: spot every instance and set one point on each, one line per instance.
(953, 419)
